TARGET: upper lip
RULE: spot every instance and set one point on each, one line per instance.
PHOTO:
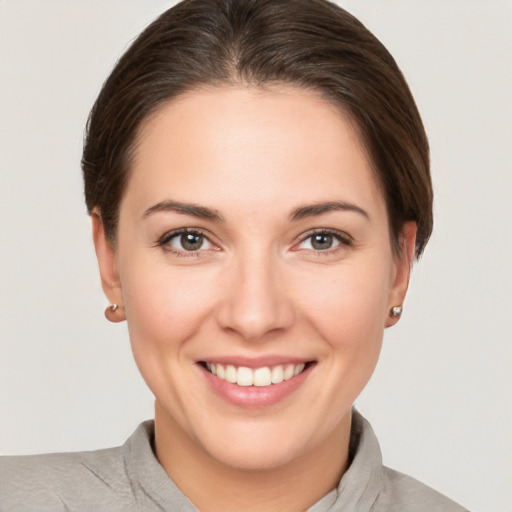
(256, 362)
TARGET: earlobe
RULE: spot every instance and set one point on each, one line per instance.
(404, 261)
(107, 262)
(114, 313)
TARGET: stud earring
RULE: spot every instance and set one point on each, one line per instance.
(396, 311)
(110, 313)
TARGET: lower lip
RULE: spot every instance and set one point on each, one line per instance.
(255, 396)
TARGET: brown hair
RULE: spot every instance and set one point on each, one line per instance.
(310, 43)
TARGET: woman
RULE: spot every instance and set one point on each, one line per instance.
(258, 180)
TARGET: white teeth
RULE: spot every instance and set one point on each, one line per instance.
(277, 374)
(244, 376)
(298, 369)
(288, 371)
(230, 374)
(264, 376)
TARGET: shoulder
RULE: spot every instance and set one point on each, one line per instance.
(382, 489)
(62, 481)
(403, 493)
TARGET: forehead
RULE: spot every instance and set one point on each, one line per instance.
(223, 143)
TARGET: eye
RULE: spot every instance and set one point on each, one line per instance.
(322, 241)
(186, 240)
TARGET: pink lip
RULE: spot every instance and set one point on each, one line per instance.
(253, 396)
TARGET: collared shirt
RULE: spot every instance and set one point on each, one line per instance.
(129, 478)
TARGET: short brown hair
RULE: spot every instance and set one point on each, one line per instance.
(310, 43)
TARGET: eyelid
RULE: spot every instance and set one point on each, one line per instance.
(343, 237)
(169, 235)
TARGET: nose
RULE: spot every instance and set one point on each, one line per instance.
(256, 302)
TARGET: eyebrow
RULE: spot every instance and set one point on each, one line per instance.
(312, 210)
(203, 212)
(194, 210)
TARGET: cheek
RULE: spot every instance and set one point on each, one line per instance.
(348, 306)
(348, 313)
(164, 306)
(164, 310)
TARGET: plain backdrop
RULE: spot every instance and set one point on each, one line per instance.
(441, 398)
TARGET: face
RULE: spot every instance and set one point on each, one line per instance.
(255, 269)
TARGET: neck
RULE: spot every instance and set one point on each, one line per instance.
(213, 486)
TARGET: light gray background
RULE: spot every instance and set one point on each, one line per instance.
(441, 399)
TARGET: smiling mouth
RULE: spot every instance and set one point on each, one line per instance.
(260, 377)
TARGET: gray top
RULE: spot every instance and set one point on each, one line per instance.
(129, 478)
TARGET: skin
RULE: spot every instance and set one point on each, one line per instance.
(256, 288)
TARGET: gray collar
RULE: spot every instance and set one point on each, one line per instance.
(356, 492)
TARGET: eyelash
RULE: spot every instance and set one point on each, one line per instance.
(165, 239)
(343, 238)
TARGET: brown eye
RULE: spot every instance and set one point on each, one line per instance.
(192, 241)
(186, 242)
(322, 241)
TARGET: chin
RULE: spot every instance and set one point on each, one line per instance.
(258, 451)
(258, 444)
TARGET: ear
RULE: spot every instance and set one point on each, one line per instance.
(403, 264)
(107, 263)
